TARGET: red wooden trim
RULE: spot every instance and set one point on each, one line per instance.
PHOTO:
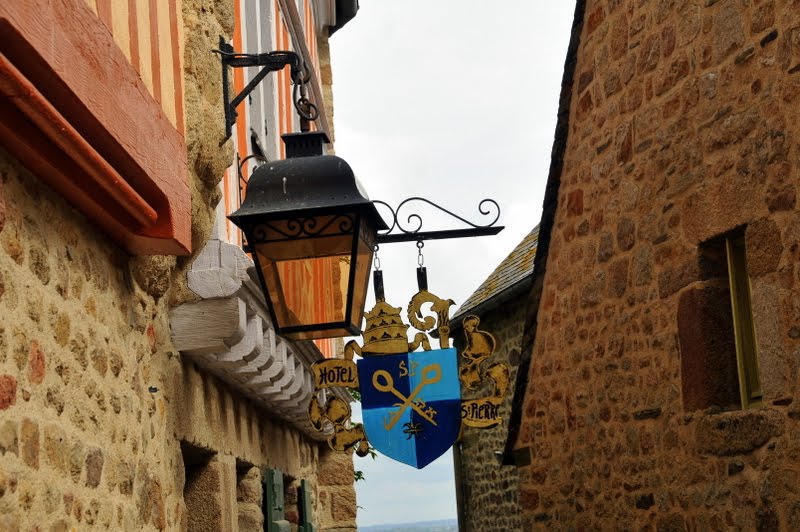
(133, 29)
(177, 72)
(104, 12)
(96, 171)
(57, 169)
(87, 79)
(155, 56)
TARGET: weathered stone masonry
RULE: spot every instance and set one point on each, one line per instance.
(103, 424)
(682, 127)
(490, 499)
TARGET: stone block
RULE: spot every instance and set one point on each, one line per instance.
(56, 447)
(734, 433)
(595, 18)
(8, 391)
(343, 507)
(781, 485)
(781, 198)
(529, 498)
(649, 54)
(672, 280)
(626, 234)
(59, 526)
(618, 277)
(202, 495)
(642, 268)
(151, 502)
(763, 17)
(575, 202)
(99, 359)
(731, 129)
(250, 517)
(336, 470)
(728, 30)
(94, 467)
(36, 363)
(671, 523)
(9, 441)
(767, 520)
(764, 248)
(248, 487)
(605, 249)
(76, 458)
(61, 329)
(29, 438)
(678, 69)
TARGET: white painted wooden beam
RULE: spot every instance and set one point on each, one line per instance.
(209, 326)
(239, 354)
(230, 334)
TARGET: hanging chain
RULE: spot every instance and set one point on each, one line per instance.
(420, 258)
(377, 259)
(305, 108)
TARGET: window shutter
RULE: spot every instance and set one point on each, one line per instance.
(273, 505)
(306, 510)
(744, 330)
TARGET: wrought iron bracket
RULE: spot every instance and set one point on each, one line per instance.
(271, 61)
(412, 230)
(403, 232)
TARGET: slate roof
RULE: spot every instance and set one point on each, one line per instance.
(511, 275)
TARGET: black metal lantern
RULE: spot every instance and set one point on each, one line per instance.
(312, 233)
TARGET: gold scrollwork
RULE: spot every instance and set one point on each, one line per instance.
(483, 412)
(347, 436)
(440, 307)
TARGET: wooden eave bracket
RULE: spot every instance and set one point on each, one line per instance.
(229, 334)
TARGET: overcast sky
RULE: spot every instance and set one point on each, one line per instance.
(455, 101)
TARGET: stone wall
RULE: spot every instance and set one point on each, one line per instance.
(488, 490)
(102, 423)
(683, 127)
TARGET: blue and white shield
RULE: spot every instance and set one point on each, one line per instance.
(411, 404)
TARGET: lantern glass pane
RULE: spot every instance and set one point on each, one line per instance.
(361, 281)
(314, 290)
(316, 280)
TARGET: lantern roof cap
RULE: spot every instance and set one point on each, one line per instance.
(305, 185)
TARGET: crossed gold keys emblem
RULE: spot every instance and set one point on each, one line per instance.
(383, 381)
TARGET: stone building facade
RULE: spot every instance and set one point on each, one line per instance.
(486, 489)
(643, 405)
(111, 155)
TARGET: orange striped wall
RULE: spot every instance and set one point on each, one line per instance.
(150, 34)
(286, 123)
(286, 116)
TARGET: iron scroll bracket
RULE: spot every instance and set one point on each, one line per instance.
(270, 61)
(411, 229)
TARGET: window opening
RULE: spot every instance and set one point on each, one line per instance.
(719, 360)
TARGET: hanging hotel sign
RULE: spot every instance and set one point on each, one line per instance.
(410, 392)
